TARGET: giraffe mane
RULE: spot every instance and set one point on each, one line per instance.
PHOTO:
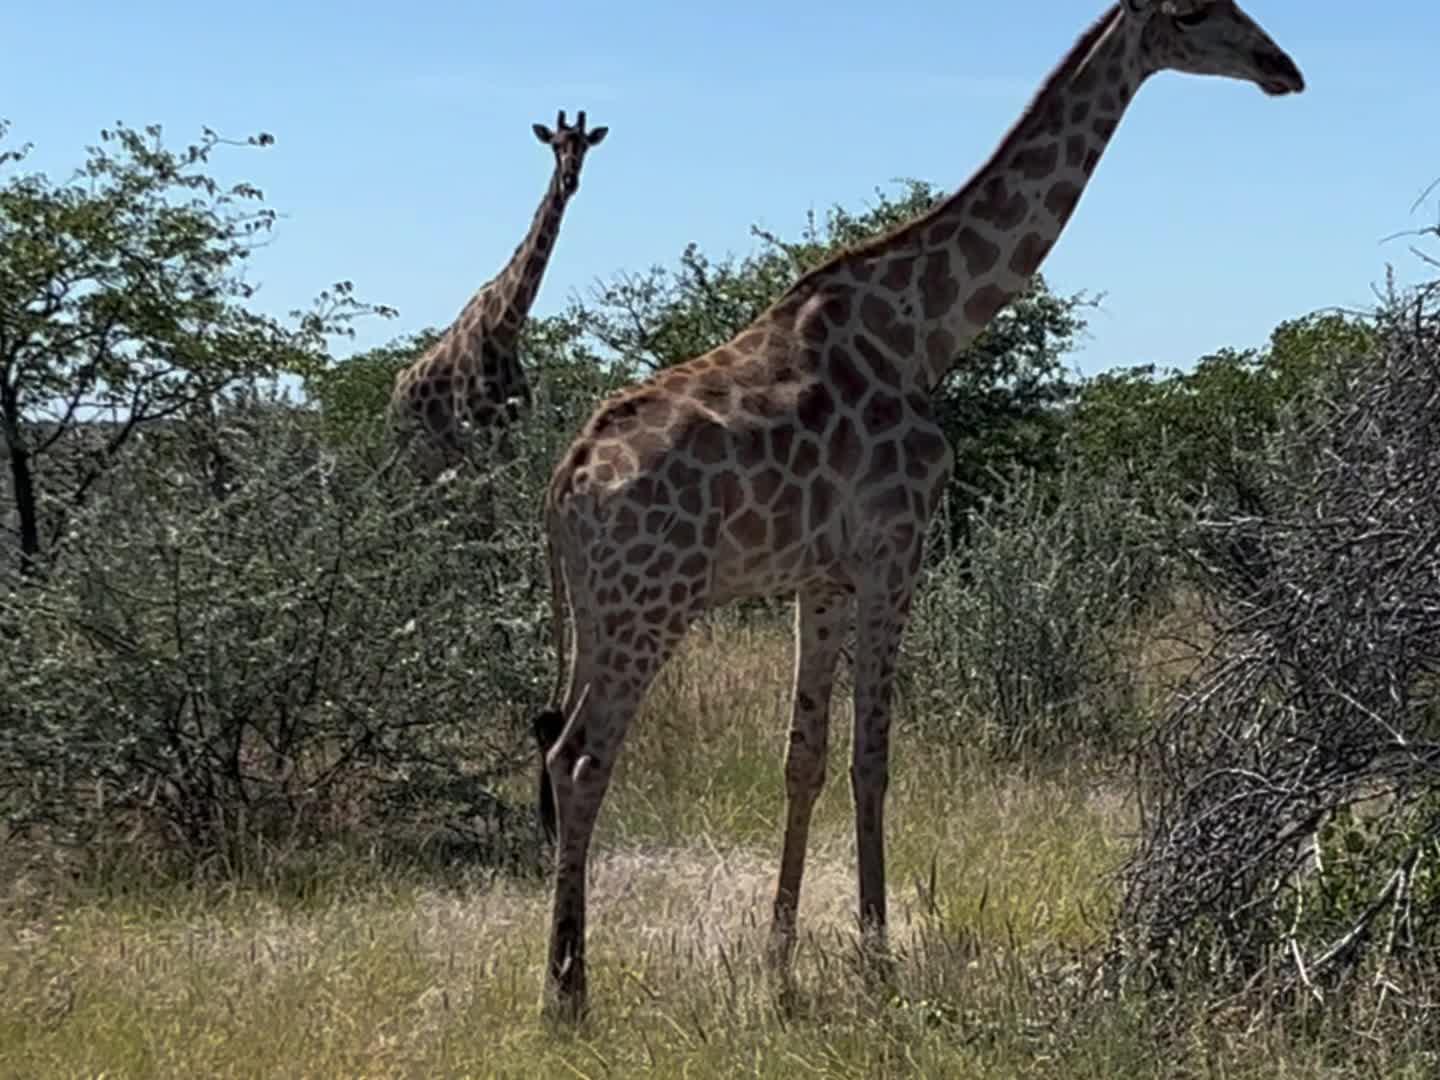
(896, 236)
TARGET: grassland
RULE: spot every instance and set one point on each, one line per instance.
(999, 881)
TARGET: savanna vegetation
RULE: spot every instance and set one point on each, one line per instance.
(1164, 788)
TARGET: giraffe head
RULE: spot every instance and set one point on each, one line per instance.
(1211, 37)
(570, 145)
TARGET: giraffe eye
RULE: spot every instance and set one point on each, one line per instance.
(1192, 18)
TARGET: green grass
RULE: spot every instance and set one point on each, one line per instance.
(377, 971)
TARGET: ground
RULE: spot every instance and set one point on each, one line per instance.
(999, 879)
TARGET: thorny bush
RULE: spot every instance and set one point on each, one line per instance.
(1292, 810)
(272, 641)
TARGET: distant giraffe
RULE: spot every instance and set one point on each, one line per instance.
(470, 384)
(802, 457)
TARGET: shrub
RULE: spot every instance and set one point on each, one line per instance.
(1320, 696)
(314, 649)
(1014, 641)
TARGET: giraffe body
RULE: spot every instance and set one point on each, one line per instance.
(470, 386)
(802, 457)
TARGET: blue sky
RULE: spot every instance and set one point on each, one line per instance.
(404, 159)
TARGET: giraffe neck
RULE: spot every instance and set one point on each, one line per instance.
(926, 290)
(515, 287)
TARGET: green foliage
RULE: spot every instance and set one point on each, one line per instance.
(1189, 433)
(315, 654)
(1015, 642)
(352, 394)
(571, 378)
(661, 317)
(1003, 405)
(122, 299)
(1360, 850)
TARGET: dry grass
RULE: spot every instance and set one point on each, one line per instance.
(392, 976)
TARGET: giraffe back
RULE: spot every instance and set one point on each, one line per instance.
(788, 455)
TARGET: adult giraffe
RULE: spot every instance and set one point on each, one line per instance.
(802, 457)
(470, 384)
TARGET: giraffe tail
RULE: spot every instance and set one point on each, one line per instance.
(559, 606)
(549, 724)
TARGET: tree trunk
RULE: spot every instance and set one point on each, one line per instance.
(23, 479)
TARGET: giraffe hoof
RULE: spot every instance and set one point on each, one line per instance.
(877, 969)
(564, 1010)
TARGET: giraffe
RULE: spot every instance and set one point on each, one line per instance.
(470, 383)
(802, 457)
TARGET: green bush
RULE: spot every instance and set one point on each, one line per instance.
(1014, 644)
(1194, 434)
(315, 649)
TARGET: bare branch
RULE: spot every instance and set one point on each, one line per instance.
(1318, 701)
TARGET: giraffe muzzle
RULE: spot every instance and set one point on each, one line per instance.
(1278, 74)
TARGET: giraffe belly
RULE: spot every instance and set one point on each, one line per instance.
(738, 574)
(757, 555)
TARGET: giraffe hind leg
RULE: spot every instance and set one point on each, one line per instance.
(880, 625)
(822, 617)
(579, 764)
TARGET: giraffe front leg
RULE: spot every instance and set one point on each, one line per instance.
(822, 617)
(880, 626)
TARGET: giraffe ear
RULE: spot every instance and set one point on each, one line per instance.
(543, 133)
(597, 135)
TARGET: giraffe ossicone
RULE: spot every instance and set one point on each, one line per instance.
(802, 457)
(467, 388)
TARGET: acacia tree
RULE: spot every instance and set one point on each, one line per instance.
(123, 305)
(1193, 434)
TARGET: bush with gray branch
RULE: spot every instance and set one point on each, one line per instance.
(1292, 798)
